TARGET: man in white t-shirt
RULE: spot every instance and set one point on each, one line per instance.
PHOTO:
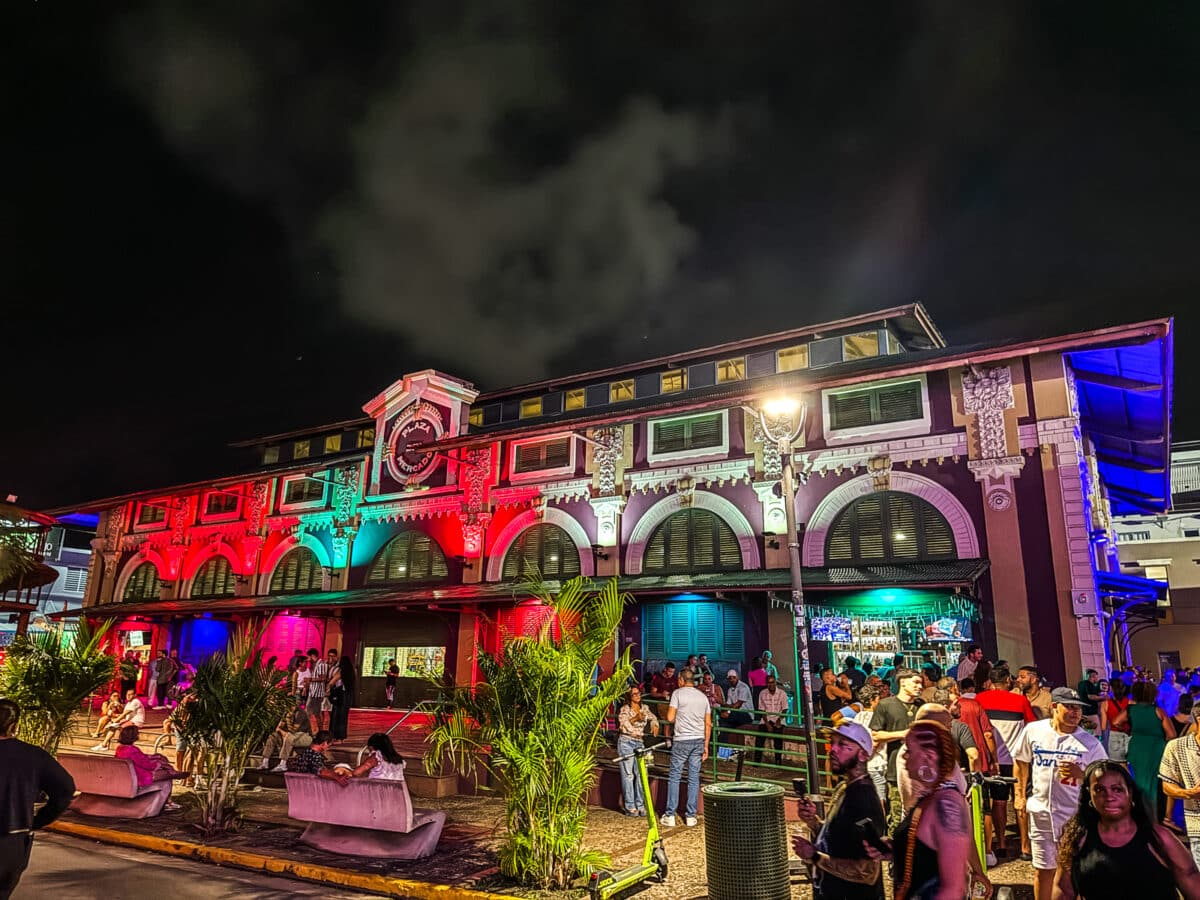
(134, 713)
(1051, 757)
(691, 716)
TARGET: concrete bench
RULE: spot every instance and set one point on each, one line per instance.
(367, 817)
(108, 787)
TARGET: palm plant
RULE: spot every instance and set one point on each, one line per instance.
(50, 674)
(534, 724)
(237, 699)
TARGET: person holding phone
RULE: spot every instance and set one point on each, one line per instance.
(841, 866)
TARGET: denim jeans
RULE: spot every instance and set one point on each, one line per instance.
(631, 782)
(685, 753)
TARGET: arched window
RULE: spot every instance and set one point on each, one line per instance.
(215, 579)
(143, 584)
(297, 571)
(546, 546)
(411, 556)
(693, 540)
(889, 526)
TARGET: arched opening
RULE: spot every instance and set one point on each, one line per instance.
(889, 526)
(143, 584)
(412, 556)
(545, 546)
(215, 579)
(690, 541)
(298, 571)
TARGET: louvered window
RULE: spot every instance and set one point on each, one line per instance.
(545, 546)
(76, 581)
(411, 556)
(298, 571)
(220, 503)
(149, 514)
(543, 455)
(304, 490)
(889, 526)
(876, 406)
(692, 433)
(691, 541)
(673, 630)
(215, 579)
(143, 584)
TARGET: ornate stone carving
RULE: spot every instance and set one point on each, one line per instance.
(771, 457)
(477, 471)
(474, 526)
(538, 506)
(256, 507)
(607, 454)
(987, 393)
(719, 473)
(880, 470)
(115, 527)
(997, 476)
(608, 519)
(685, 489)
(770, 495)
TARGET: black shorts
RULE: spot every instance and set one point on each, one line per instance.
(1000, 791)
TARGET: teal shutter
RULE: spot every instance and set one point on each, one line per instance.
(708, 637)
(679, 629)
(653, 634)
(733, 633)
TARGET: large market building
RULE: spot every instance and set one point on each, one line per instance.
(950, 494)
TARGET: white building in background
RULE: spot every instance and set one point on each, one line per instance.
(1167, 548)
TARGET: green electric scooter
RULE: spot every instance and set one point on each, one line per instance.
(603, 885)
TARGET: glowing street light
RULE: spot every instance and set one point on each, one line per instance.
(782, 420)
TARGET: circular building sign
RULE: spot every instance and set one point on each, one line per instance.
(407, 461)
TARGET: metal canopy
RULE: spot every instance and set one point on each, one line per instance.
(1125, 409)
(1121, 586)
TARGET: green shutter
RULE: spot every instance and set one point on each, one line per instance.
(889, 526)
(733, 633)
(850, 410)
(669, 437)
(691, 541)
(708, 634)
(654, 642)
(899, 403)
(679, 629)
(706, 431)
(546, 546)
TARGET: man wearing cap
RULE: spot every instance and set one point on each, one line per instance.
(1051, 757)
(841, 867)
(1179, 773)
(738, 702)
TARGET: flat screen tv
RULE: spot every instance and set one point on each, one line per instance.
(831, 628)
(948, 628)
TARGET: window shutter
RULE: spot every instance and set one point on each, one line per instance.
(529, 457)
(537, 545)
(653, 631)
(708, 629)
(679, 629)
(706, 432)
(669, 437)
(733, 633)
(76, 582)
(900, 402)
(869, 527)
(558, 454)
(939, 539)
(690, 541)
(903, 531)
(850, 410)
(840, 543)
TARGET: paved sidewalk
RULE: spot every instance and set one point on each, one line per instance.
(466, 857)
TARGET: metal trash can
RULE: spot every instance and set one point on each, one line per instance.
(745, 841)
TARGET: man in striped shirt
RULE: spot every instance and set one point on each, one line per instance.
(1009, 713)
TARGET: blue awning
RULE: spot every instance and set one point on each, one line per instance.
(1131, 587)
(1125, 408)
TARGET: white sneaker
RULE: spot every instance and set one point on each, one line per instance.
(667, 820)
(282, 767)
(689, 821)
(99, 748)
(990, 859)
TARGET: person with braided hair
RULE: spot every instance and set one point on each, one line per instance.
(1113, 847)
(932, 846)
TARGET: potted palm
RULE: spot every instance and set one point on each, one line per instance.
(50, 674)
(534, 724)
(236, 700)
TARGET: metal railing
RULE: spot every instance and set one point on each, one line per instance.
(429, 705)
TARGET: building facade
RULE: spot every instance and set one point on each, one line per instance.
(949, 494)
(1164, 630)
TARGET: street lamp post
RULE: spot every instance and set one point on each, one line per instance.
(782, 421)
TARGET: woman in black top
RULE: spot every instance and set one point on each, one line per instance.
(341, 692)
(1113, 847)
(932, 847)
(833, 694)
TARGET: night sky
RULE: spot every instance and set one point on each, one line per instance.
(223, 220)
